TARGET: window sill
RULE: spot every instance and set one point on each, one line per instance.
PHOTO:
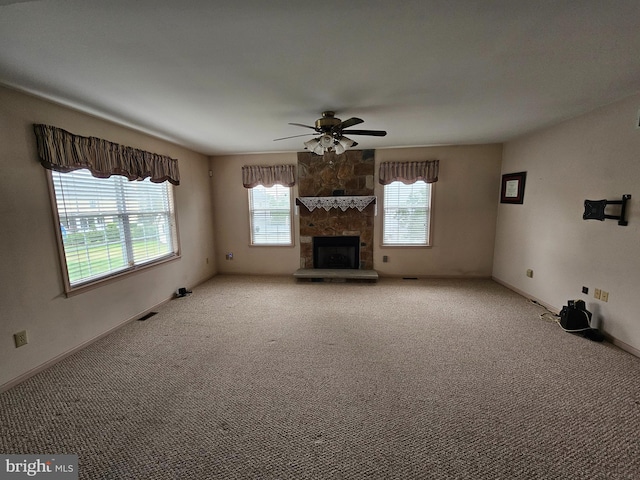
(406, 246)
(281, 245)
(77, 290)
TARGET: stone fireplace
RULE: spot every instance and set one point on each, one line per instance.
(342, 238)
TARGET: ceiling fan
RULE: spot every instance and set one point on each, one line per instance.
(331, 130)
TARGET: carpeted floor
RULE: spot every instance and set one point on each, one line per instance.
(263, 377)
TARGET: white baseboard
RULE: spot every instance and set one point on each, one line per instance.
(546, 305)
(21, 378)
(621, 345)
(609, 338)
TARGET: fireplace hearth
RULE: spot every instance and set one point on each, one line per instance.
(336, 252)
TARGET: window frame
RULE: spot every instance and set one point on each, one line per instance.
(71, 290)
(250, 210)
(429, 217)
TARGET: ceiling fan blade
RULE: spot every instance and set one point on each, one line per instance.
(293, 136)
(301, 125)
(350, 122)
(373, 133)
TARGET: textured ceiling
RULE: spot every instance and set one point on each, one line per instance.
(227, 76)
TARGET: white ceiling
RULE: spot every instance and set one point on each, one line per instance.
(227, 76)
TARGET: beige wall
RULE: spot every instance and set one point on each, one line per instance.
(31, 289)
(231, 203)
(464, 217)
(594, 157)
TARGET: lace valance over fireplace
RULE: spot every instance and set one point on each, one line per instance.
(343, 203)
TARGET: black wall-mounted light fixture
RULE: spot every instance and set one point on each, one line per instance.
(594, 210)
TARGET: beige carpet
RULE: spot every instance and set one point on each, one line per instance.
(263, 377)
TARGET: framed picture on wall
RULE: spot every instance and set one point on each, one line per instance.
(513, 187)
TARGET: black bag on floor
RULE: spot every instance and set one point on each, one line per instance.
(575, 318)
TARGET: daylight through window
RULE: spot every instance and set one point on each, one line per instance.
(270, 215)
(112, 225)
(407, 214)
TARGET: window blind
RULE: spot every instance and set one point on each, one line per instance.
(270, 215)
(406, 213)
(110, 225)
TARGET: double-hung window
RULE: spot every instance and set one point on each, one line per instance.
(270, 215)
(109, 226)
(407, 212)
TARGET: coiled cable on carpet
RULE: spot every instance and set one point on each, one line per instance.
(552, 317)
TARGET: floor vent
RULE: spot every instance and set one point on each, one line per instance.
(147, 316)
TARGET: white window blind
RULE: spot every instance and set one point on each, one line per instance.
(406, 213)
(111, 225)
(270, 215)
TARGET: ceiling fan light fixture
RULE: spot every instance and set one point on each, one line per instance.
(315, 145)
(320, 145)
(342, 144)
(326, 141)
(311, 144)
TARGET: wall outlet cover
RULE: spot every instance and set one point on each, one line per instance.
(20, 338)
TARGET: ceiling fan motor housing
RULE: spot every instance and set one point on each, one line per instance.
(327, 122)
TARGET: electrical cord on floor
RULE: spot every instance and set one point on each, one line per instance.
(590, 333)
(548, 315)
(552, 317)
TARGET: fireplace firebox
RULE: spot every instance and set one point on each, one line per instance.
(336, 252)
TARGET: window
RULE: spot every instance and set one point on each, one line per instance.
(406, 213)
(112, 225)
(270, 215)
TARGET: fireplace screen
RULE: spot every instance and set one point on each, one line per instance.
(336, 252)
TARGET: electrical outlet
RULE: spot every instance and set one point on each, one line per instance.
(596, 293)
(20, 338)
(585, 290)
(229, 256)
(604, 296)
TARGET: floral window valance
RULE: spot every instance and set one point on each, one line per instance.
(255, 175)
(64, 152)
(409, 172)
